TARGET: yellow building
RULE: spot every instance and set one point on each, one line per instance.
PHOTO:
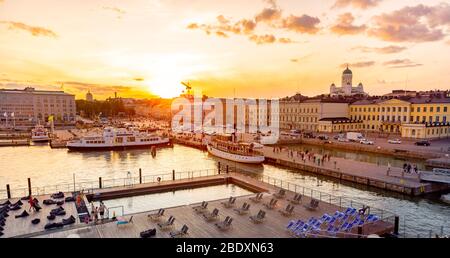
(413, 117)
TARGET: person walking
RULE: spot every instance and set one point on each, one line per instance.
(101, 210)
(388, 169)
(95, 215)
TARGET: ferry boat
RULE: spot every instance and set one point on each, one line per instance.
(117, 138)
(225, 146)
(39, 134)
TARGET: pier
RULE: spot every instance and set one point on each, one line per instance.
(358, 172)
(274, 225)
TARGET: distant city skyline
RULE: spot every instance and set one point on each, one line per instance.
(253, 49)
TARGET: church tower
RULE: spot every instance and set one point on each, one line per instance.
(347, 78)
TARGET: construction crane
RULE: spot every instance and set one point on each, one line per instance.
(188, 90)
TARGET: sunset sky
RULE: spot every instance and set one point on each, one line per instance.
(225, 48)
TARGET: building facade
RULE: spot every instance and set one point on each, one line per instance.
(421, 117)
(29, 106)
(305, 115)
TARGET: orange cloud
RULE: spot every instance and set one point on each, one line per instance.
(359, 64)
(380, 50)
(344, 25)
(401, 63)
(285, 40)
(263, 39)
(362, 4)
(221, 34)
(414, 24)
(301, 24)
(268, 15)
(35, 31)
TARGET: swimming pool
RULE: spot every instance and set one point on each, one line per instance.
(143, 203)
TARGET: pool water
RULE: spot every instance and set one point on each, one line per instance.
(143, 203)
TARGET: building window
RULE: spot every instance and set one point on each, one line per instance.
(430, 119)
(424, 118)
(444, 119)
(424, 109)
(431, 109)
(437, 118)
(388, 109)
(412, 109)
(382, 109)
(405, 109)
(404, 118)
(445, 109)
(393, 109)
(438, 109)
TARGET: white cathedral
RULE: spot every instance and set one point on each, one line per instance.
(347, 88)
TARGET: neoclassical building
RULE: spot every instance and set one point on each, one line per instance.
(29, 106)
(347, 88)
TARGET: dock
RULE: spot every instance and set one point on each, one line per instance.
(357, 172)
(14, 142)
(274, 225)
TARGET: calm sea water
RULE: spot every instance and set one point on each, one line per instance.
(47, 166)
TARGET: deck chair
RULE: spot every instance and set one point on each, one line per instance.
(259, 218)
(167, 224)
(123, 221)
(297, 199)
(257, 198)
(199, 206)
(280, 195)
(288, 211)
(209, 216)
(181, 233)
(202, 208)
(244, 209)
(156, 216)
(225, 225)
(313, 205)
(230, 203)
(272, 204)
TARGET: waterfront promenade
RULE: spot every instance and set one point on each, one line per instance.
(354, 171)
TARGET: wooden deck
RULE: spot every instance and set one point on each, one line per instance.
(273, 227)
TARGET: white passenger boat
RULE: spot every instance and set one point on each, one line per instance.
(436, 175)
(39, 134)
(117, 138)
(225, 146)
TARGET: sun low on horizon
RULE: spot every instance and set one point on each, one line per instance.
(255, 48)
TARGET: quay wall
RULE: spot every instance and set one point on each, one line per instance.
(408, 190)
(364, 148)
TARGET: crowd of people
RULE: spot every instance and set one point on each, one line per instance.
(307, 155)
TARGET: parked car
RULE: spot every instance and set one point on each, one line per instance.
(366, 142)
(423, 143)
(323, 137)
(395, 141)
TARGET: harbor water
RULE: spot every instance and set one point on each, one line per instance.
(47, 166)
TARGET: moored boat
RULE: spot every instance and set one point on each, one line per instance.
(225, 146)
(39, 134)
